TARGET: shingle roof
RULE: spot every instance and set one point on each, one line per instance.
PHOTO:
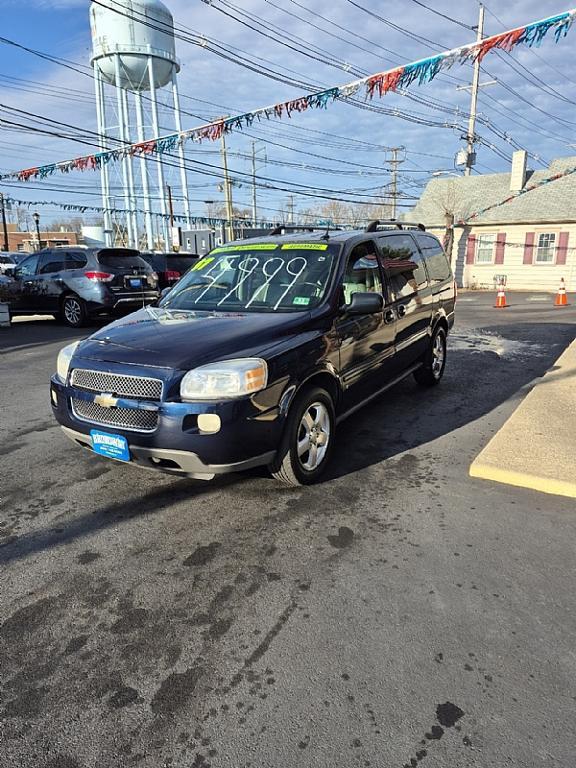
(464, 195)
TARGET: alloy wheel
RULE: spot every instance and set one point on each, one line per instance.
(313, 436)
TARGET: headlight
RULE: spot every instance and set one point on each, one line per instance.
(226, 380)
(64, 358)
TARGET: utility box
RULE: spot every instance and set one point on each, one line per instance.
(200, 241)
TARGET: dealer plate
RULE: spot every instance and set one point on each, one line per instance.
(111, 446)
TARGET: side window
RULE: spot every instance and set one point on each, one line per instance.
(75, 260)
(436, 260)
(27, 267)
(363, 271)
(403, 264)
(53, 261)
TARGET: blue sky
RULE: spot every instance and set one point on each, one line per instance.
(532, 104)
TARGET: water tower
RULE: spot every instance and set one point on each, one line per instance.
(133, 55)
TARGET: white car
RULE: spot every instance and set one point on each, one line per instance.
(8, 261)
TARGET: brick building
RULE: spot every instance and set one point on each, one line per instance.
(28, 241)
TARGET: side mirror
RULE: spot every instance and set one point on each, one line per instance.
(10, 272)
(164, 292)
(365, 304)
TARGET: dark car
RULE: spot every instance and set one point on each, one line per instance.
(260, 351)
(79, 283)
(170, 266)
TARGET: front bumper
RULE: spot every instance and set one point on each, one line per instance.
(249, 433)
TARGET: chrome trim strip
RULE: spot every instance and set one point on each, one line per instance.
(374, 395)
(412, 340)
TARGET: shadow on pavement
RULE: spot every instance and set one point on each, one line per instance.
(404, 418)
(34, 333)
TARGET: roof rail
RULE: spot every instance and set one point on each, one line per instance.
(375, 225)
(301, 228)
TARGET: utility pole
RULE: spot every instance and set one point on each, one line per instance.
(395, 163)
(227, 192)
(4, 227)
(171, 211)
(291, 209)
(470, 155)
(254, 209)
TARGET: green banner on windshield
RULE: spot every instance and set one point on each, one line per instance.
(255, 247)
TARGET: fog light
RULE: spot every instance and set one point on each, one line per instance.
(209, 423)
(54, 397)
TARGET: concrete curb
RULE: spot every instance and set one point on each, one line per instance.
(536, 447)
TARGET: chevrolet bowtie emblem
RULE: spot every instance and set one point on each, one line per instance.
(106, 401)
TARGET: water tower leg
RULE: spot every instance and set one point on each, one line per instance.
(181, 153)
(104, 176)
(156, 132)
(132, 188)
(144, 173)
(122, 131)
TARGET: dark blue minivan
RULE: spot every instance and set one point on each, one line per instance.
(259, 351)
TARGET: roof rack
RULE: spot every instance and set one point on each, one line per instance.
(374, 226)
(301, 228)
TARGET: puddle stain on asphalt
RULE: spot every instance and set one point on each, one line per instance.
(447, 715)
(344, 538)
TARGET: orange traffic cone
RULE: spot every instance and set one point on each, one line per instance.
(501, 297)
(561, 299)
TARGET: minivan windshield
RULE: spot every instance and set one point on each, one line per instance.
(262, 277)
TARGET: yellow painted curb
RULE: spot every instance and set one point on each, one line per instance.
(521, 480)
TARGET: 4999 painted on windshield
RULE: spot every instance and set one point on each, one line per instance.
(262, 277)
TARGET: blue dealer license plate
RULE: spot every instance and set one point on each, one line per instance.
(111, 446)
(135, 282)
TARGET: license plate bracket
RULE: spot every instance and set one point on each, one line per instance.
(110, 445)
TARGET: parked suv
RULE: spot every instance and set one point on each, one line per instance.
(260, 351)
(78, 283)
(169, 266)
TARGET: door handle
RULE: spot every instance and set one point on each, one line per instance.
(401, 310)
(28, 282)
(389, 316)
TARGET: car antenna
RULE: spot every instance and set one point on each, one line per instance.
(326, 235)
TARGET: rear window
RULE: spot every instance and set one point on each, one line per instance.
(122, 258)
(156, 260)
(436, 260)
(180, 263)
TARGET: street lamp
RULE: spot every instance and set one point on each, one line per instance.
(36, 217)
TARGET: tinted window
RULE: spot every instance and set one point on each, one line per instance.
(403, 264)
(53, 261)
(75, 260)
(28, 266)
(122, 258)
(6, 260)
(156, 260)
(436, 261)
(363, 271)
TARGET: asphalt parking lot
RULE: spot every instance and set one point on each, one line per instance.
(398, 614)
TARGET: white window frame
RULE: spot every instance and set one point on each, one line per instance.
(479, 238)
(553, 247)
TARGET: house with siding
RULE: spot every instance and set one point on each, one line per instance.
(529, 242)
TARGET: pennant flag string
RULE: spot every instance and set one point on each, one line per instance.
(420, 72)
(210, 221)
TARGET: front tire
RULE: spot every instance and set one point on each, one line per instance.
(74, 311)
(308, 439)
(434, 361)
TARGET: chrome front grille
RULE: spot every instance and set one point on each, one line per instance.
(134, 419)
(117, 384)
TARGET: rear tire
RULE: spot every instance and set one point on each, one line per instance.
(308, 439)
(434, 361)
(74, 311)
